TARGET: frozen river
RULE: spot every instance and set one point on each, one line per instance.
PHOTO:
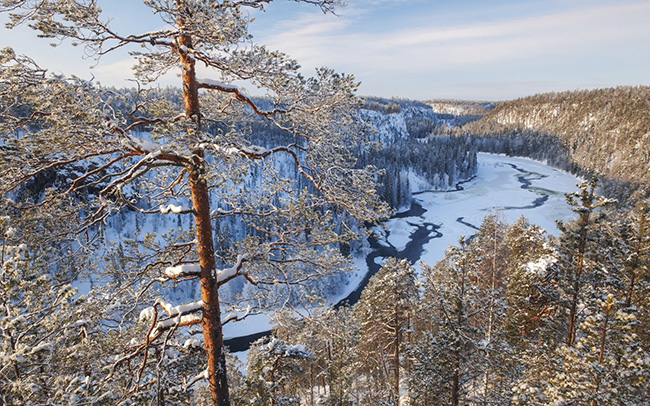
(506, 186)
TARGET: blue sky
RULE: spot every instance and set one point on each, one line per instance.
(423, 49)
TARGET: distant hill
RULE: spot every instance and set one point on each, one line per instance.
(603, 131)
(461, 107)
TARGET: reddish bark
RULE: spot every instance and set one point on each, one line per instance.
(211, 322)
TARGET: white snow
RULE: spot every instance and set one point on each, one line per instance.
(236, 315)
(11, 232)
(182, 270)
(172, 311)
(194, 342)
(146, 314)
(496, 190)
(252, 324)
(46, 346)
(185, 308)
(216, 83)
(254, 149)
(227, 273)
(171, 322)
(164, 209)
(540, 266)
(399, 230)
(144, 145)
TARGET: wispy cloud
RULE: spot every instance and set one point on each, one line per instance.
(420, 48)
(353, 43)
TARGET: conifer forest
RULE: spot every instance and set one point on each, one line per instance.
(200, 244)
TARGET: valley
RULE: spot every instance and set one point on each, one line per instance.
(508, 187)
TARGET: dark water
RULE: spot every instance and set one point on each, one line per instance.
(412, 252)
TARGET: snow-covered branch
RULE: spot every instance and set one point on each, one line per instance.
(228, 274)
(165, 209)
(240, 95)
(181, 315)
(236, 316)
(182, 270)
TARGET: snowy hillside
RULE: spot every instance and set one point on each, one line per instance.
(602, 131)
(411, 163)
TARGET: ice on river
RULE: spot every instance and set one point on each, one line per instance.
(497, 189)
(397, 232)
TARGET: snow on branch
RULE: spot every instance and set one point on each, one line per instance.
(281, 349)
(254, 150)
(227, 151)
(217, 85)
(165, 209)
(204, 375)
(183, 270)
(180, 320)
(194, 269)
(194, 342)
(181, 315)
(182, 309)
(539, 267)
(227, 274)
(235, 316)
(141, 145)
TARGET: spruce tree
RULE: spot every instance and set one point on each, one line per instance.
(385, 313)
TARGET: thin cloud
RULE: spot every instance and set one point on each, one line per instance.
(343, 42)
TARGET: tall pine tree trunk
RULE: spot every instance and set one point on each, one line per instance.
(211, 322)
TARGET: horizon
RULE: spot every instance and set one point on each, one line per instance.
(415, 49)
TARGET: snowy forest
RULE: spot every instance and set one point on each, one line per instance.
(600, 132)
(136, 223)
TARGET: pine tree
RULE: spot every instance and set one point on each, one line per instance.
(189, 152)
(450, 339)
(489, 250)
(579, 253)
(606, 364)
(530, 294)
(329, 375)
(635, 249)
(271, 368)
(43, 327)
